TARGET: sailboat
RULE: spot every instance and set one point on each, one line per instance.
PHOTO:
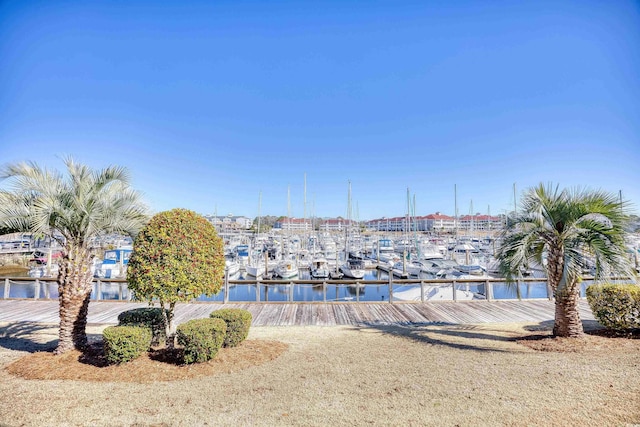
(352, 267)
(287, 267)
(257, 266)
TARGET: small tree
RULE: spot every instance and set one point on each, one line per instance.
(73, 209)
(177, 257)
(567, 226)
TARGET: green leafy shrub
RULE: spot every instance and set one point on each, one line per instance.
(615, 306)
(201, 339)
(125, 343)
(177, 257)
(238, 323)
(150, 317)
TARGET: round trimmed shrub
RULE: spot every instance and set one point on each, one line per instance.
(149, 317)
(201, 339)
(238, 323)
(615, 306)
(124, 343)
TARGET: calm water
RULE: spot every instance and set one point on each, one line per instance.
(298, 292)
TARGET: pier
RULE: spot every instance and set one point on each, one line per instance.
(320, 314)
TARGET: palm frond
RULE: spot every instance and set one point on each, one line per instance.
(80, 206)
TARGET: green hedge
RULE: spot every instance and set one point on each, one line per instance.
(615, 306)
(150, 317)
(201, 339)
(238, 323)
(125, 343)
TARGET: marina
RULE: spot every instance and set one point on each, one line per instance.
(382, 289)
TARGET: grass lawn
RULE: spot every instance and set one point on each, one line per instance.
(466, 375)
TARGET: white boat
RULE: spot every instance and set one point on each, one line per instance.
(381, 248)
(114, 264)
(319, 268)
(407, 269)
(429, 250)
(231, 266)
(389, 258)
(353, 268)
(255, 270)
(474, 269)
(466, 256)
(286, 269)
(44, 264)
(432, 293)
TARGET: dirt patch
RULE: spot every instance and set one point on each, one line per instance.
(158, 365)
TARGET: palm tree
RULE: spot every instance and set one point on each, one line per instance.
(73, 210)
(559, 229)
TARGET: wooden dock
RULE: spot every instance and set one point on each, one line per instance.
(320, 314)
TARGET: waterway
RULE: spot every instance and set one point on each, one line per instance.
(298, 292)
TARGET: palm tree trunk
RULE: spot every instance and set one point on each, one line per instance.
(567, 317)
(74, 288)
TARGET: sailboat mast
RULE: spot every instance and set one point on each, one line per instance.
(259, 209)
(515, 207)
(407, 227)
(415, 226)
(346, 230)
(455, 196)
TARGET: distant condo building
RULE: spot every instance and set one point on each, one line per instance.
(293, 224)
(436, 222)
(230, 222)
(327, 224)
(337, 224)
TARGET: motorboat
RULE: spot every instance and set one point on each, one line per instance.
(432, 293)
(407, 268)
(319, 268)
(231, 266)
(353, 268)
(113, 264)
(286, 269)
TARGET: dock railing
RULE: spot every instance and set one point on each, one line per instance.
(316, 291)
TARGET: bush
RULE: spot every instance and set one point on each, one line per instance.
(201, 339)
(238, 322)
(616, 307)
(150, 317)
(125, 343)
(176, 257)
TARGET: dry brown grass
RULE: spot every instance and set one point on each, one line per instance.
(378, 375)
(159, 365)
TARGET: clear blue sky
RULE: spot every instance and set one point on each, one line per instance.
(210, 103)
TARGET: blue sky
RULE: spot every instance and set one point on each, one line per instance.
(210, 103)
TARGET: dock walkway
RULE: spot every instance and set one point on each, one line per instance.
(292, 314)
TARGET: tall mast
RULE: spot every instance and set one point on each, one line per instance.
(289, 202)
(471, 219)
(455, 223)
(515, 207)
(407, 222)
(346, 229)
(259, 208)
(415, 226)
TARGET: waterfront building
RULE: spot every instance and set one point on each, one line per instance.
(480, 222)
(293, 224)
(337, 224)
(230, 222)
(439, 223)
(436, 222)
